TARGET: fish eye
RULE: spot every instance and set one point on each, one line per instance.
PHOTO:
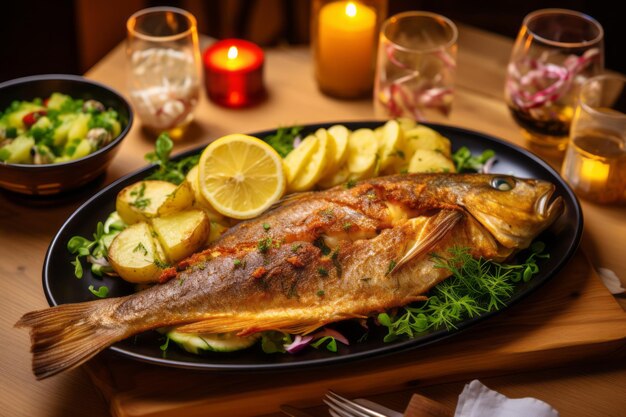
(502, 184)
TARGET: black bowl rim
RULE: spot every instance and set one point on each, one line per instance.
(79, 79)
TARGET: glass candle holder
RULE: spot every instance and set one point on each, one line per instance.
(595, 160)
(234, 73)
(343, 37)
(416, 67)
(164, 68)
(555, 51)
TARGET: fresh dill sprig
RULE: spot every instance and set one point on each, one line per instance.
(476, 286)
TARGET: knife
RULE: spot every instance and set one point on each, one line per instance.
(294, 412)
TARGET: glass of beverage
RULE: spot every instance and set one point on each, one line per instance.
(163, 68)
(416, 67)
(595, 160)
(555, 51)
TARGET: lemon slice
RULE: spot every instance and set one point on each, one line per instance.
(241, 176)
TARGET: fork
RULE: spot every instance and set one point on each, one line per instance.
(343, 407)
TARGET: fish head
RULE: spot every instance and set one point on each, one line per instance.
(513, 210)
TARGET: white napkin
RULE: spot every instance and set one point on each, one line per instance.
(610, 280)
(477, 400)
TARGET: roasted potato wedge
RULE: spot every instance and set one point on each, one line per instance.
(141, 201)
(183, 233)
(178, 200)
(135, 255)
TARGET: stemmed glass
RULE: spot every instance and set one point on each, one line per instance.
(164, 68)
(555, 52)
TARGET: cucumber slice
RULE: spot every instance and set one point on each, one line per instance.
(217, 342)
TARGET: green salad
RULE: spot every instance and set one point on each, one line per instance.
(56, 129)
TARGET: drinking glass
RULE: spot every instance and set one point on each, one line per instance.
(416, 67)
(164, 68)
(555, 51)
(595, 160)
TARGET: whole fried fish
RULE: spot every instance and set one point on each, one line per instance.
(316, 258)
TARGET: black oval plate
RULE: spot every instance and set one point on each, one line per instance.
(61, 287)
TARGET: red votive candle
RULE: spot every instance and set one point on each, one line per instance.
(234, 73)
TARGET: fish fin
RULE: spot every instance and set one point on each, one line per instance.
(432, 231)
(289, 198)
(66, 336)
(245, 325)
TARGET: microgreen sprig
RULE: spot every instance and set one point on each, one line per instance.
(96, 250)
(476, 286)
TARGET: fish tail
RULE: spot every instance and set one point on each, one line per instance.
(66, 336)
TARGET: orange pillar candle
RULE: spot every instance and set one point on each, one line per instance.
(345, 48)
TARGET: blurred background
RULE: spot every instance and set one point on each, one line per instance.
(70, 36)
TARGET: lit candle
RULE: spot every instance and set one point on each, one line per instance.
(346, 36)
(234, 73)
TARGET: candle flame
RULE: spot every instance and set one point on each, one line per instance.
(232, 52)
(351, 9)
(593, 170)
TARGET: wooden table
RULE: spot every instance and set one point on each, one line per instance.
(26, 229)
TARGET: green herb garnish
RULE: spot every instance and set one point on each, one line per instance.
(101, 292)
(140, 247)
(350, 184)
(171, 171)
(264, 244)
(322, 271)
(464, 161)
(266, 226)
(331, 346)
(476, 286)
(282, 140)
(96, 249)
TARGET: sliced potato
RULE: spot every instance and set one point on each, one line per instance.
(362, 148)
(391, 149)
(182, 233)
(406, 123)
(427, 160)
(297, 159)
(340, 136)
(134, 254)
(178, 200)
(422, 137)
(337, 149)
(341, 176)
(312, 171)
(141, 201)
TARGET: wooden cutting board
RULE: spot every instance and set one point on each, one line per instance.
(571, 318)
